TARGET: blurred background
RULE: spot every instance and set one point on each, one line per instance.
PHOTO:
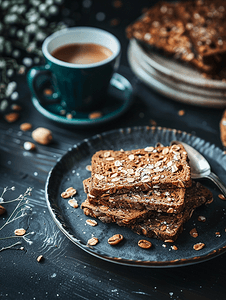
(24, 24)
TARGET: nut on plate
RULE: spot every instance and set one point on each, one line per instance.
(42, 135)
(198, 246)
(144, 244)
(93, 241)
(69, 192)
(115, 239)
(91, 222)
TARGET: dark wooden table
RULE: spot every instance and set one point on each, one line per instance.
(67, 272)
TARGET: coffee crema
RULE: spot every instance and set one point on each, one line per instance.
(82, 53)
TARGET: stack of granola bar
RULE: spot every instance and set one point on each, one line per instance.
(148, 190)
(191, 31)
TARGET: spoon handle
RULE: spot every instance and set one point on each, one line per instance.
(218, 182)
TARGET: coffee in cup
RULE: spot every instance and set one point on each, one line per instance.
(80, 53)
(80, 62)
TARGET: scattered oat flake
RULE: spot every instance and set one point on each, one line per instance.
(95, 115)
(130, 179)
(99, 177)
(194, 232)
(109, 158)
(68, 193)
(222, 197)
(89, 168)
(118, 163)
(181, 112)
(149, 149)
(131, 157)
(201, 218)
(93, 241)
(174, 169)
(174, 247)
(91, 222)
(165, 151)
(107, 154)
(29, 146)
(73, 203)
(198, 246)
(40, 258)
(20, 231)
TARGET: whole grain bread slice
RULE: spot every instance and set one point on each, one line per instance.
(118, 172)
(123, 217)
(205, 23)
(168, 229)
(149, 223)
(170, 201)
(163, 28)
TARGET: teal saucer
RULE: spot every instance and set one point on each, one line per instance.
(118, 100)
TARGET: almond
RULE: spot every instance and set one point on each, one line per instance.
(93, 241)
(2, 210)
(69, 192)
(12, 117)
(115, 239)
(20, 231)
(144, 244)
(42, 135)
(25, 126)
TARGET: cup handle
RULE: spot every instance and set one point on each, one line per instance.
(44, 75)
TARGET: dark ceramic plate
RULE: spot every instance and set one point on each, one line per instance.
(70, 170)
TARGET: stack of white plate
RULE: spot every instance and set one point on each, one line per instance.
(175, 80)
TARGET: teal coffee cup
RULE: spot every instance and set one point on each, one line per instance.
(80, 62)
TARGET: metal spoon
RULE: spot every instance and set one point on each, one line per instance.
(200, 167)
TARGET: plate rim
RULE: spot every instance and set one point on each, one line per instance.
(131, 262)
(205, 83)
(169, 92)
